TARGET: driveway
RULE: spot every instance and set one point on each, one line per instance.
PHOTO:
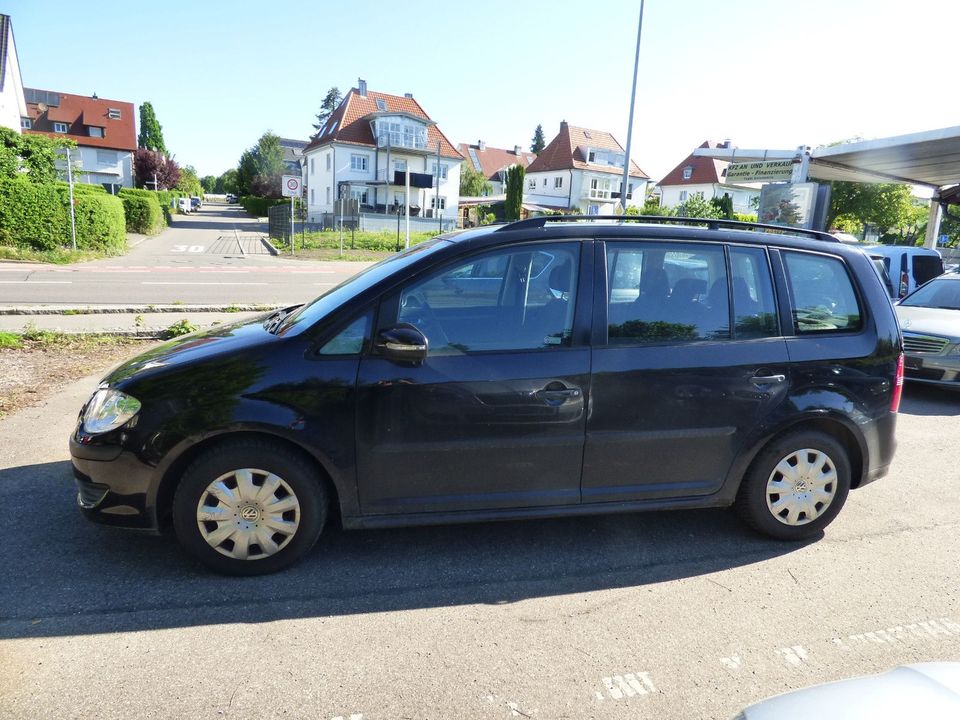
(669, 615)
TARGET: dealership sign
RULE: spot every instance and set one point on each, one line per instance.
(765, 171)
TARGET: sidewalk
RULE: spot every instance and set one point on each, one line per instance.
(146, 320)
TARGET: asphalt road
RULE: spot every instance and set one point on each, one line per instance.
(669, 615)
(210, 257)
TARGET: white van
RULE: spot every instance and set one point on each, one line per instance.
(908, 267)
(184, 205)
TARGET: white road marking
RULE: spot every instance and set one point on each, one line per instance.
(628, 685)
(353, 716)
(926, 630)
(203, 283)
(731, 663)
(794, 655)
(36, 282)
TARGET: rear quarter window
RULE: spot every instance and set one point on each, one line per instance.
(821, 294)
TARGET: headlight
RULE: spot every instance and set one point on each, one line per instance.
(107, 410)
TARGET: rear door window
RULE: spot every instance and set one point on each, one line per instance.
(754, 307)
(822, 294)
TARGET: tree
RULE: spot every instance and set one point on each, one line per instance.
(330, 103)
(724, 206)
(537, 144)
(696, 207)
(472, 182)
(514, 202)
(33, 155)
(152, 164)
(227, 183)
(151, 132)
(261, 168)
(884, 205)
(189, 183)
(209, 183)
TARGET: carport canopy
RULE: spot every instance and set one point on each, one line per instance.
(929, 159)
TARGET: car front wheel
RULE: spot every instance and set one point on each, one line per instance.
(796, 486)
(249, 508)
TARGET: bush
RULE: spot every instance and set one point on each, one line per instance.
(33, 215)
(142, 211)
(258, 206)
(100, 223)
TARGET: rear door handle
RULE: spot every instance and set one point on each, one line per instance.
(767, 379)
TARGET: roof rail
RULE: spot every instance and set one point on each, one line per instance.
(711, 223)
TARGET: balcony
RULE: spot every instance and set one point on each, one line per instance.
(402, 141)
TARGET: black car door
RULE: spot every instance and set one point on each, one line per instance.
(495, 416)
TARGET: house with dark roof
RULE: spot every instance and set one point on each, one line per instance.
(494, 162)
(706, 177)
(582, 168)
(13, 105)
(104, 130)
(365, 142)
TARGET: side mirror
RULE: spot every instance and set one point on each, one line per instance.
(402, 343)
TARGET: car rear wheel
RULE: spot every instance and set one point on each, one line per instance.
(249, 508)
(796, 486)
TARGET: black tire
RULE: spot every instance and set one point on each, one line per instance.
(757, 503)
(267, 549)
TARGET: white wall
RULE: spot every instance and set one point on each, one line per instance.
(12, 104)
(575, 191)
(741, 196)
(88, 168)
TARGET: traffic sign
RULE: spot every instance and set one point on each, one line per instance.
(291, 186)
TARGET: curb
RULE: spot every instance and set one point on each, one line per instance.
(269, 245)
(134, 309)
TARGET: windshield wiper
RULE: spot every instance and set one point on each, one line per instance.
(274, 320)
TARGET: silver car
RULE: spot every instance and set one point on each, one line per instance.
(930, 320)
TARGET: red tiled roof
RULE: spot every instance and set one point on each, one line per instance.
(492, 160)
(565, 152)
(79, 111)
(347, 124)
(704, 170)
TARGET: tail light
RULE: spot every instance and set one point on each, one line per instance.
(897, 386)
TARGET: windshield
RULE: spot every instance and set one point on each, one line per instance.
(333, 298)
(936, 294)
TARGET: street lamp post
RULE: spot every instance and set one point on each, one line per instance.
(73, 217)
(633, 98)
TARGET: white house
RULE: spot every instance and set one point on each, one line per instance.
(705, 177)
(365, 141)
(13, 106)
(104, 130)
(582, 168)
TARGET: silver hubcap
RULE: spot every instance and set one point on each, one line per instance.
(248, 514)
(801, 487)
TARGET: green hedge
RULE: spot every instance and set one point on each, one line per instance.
(36, 216)
(142, 211)
(258, 206)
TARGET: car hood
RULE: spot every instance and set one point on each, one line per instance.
(193, 348)
(925, 690)
(929, 321)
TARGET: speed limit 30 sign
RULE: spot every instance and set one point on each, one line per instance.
(292, 186)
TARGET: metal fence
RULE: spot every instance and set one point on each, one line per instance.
(279, 223)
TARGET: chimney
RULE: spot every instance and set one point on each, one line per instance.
(362, 87)
(517, 149)
(563, 124)
(728, 143)
(482, 145)
(408, 95)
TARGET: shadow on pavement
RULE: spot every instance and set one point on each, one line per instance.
(929, 400)
(66, 576)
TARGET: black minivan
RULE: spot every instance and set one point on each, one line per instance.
(552, 366)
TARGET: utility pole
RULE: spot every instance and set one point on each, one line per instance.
(436, 199)
(407, 203)
(73, 217)
(633, 99)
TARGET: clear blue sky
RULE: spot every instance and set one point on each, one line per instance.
(766, 73)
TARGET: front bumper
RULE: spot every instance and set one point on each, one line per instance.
(941, 370)
(113, 486)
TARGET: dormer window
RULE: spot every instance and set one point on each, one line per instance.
(113, 113)
(96, 132)
(688, 172)
(26, 123)
(400, 132)
(59, 127)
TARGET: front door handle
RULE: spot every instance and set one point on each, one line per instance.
(557, 393)
(768, 379)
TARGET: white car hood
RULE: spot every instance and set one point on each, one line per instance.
(929, 321)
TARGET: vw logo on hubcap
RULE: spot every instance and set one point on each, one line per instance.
(249, 513)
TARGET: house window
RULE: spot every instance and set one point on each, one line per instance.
(59, 127)
(113, 113)
(688, 172)
(443, 203)
(558, 182)
(443, 171)
(544, 182)
(358, 162)
(26, 123)
(311, 166)
(328, 160)
(399, 165)
(359, 194)
(531, 184)
(106, 157)
(591, 156)
(95, 131)
(683, 196)
(603, 188)
(328, 194)
(313, 198)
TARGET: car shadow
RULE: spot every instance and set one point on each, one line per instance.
(66, 576)
(929, 400)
